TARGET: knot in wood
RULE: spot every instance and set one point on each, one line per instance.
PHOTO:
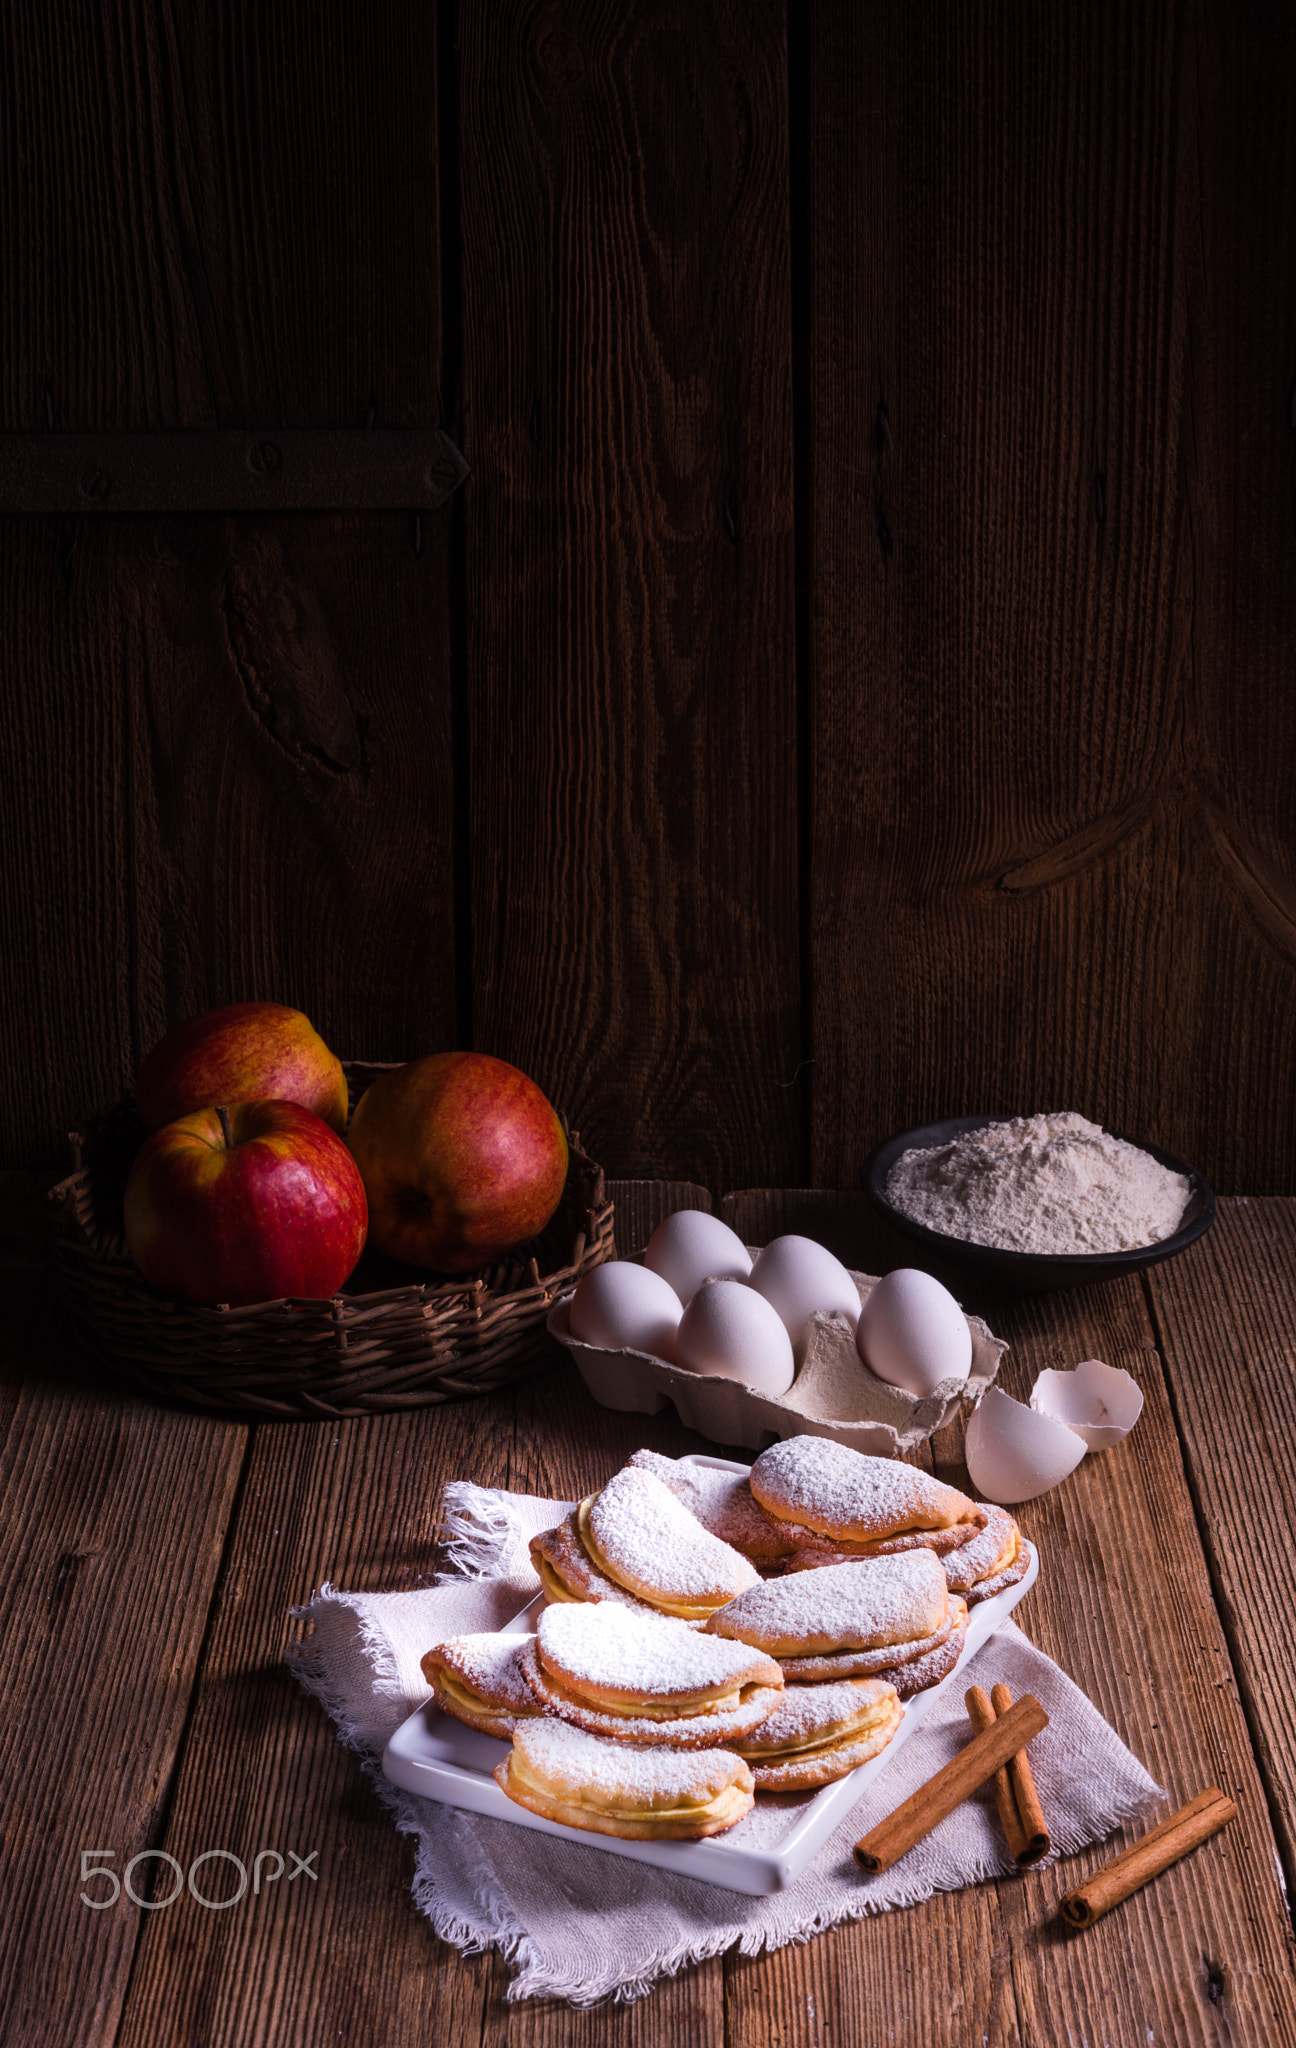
(561, 57)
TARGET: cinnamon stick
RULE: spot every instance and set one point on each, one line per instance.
(929, 1805)
(1023, 1848)
(1022, 1779)
(982, 1716)
(1136, 1866)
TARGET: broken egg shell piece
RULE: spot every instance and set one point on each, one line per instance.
(1099, 1402)
(1015, 1453)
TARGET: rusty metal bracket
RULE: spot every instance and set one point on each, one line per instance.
(376, 469)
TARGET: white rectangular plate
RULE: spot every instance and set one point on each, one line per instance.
(438, 1757)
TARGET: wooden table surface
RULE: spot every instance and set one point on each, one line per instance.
(149, 1559)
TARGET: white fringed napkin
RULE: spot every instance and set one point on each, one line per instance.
(585, 1926)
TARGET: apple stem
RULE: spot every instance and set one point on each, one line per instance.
(226, 1132)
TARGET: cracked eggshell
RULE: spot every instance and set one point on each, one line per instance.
(796, 1276)
(1101, 1403)
(691, 1246)
(623, 1307)
(730, 1332)
(1014, 1453)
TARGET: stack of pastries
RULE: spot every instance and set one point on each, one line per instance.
(707, 1637)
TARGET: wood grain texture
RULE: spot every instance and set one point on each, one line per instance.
(227, 754)
(1225, 1316)
(204, 222)
(848, 1224)
(1049, 855)
(355, 1503)
(115, 1512)
(1123, 1602)
(1052, 602)
(627, 381)
(641, 1205)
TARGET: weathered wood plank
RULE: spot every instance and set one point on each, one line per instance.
(115, 1515)
(228, 748)
(355, 1503)
(627, 383)
(1124, 1604)
(1225, 1315)
(642, 1204)
(847, 1223)
(228, 759)
(1052, 851)
(204, 224)
(686, 2009)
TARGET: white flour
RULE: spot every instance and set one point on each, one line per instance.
(1041, 1184)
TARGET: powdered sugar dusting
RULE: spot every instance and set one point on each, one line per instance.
(843, 1606)
(972, 1562)
(573, 1763)
(809, 1713)
(825, 1550)
(700, 1727)
(846, 1493)
(568, 1559)
(985, 1589)
(489, 1666)
(922, 1672)
(878, 1663)
(648, 1535)
(1054, 1184)
(722, 1502)
(644, 1656)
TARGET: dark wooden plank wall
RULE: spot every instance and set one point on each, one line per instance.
(852, 687)
(627, 389)
(1053, 608)
(226, 748)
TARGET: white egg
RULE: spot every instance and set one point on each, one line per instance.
(1099, 1402)
(730, 1332)
(798, 1276)
(622, 1307)
(1014, 1453)
(913, 1334)
(692, 1246)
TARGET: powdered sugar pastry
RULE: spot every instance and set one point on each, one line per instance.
(649, 1540)
(844, 1493)
(865, 1605)
(649, 1655)
(632, 1777)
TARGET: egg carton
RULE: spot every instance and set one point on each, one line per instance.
(834, 1394)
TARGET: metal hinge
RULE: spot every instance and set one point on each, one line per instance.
(376, 469)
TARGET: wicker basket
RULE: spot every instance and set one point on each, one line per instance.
(385, 1342)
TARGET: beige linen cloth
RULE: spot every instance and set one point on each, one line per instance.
(584, 1926)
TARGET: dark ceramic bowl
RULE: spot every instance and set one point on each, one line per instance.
(1030, 1272)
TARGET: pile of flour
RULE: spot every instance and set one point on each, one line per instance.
(1041, 1184)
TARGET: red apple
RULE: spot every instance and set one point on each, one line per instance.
(245, 1204)
(462, 1158)
(247, 1052)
